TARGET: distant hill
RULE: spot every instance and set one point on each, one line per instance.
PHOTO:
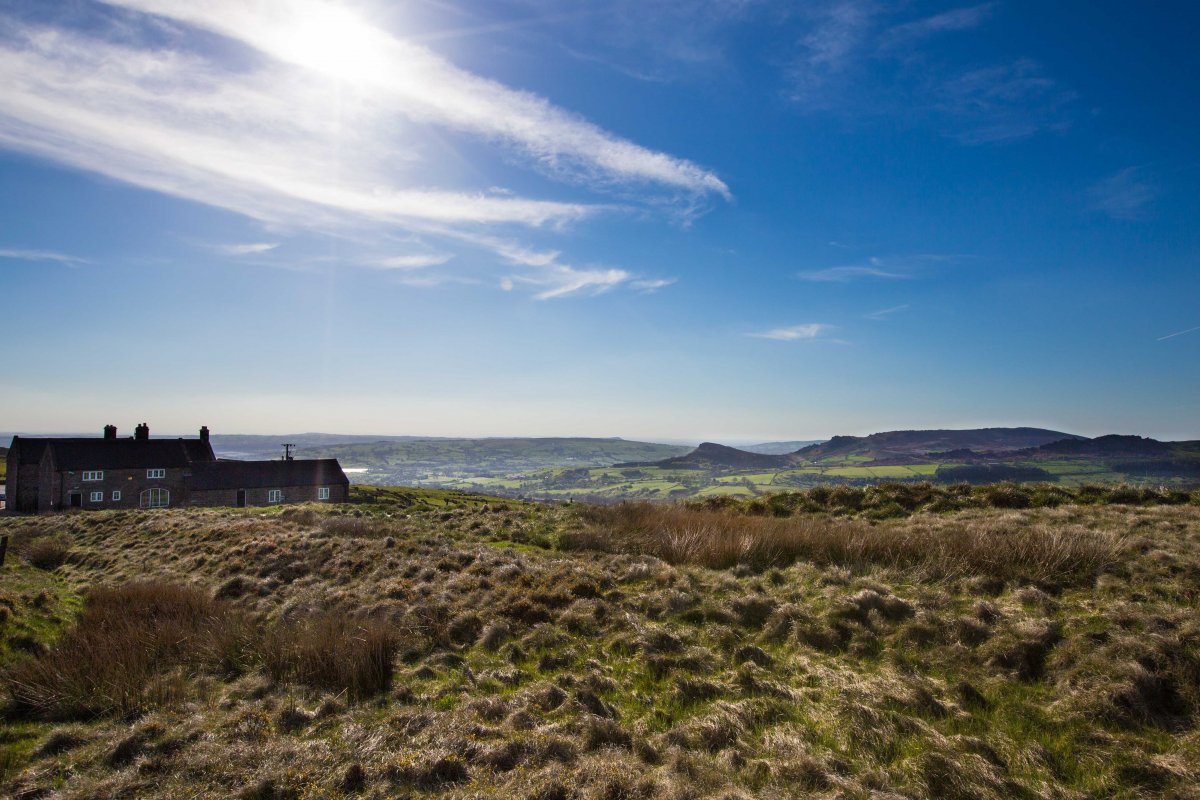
(779, 448)
(890, 446)
(904, 444)
(1113, 445)
(710, 455)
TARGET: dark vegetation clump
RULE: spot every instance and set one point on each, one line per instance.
(44, 552)
(331, 652)
(138, 646)
(122, 655)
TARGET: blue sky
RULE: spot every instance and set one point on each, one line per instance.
(721, 219)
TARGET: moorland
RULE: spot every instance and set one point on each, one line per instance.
(893, 641)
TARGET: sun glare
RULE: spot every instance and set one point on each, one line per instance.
(335, 41)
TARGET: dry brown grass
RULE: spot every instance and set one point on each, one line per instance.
(331, 652)
(121, 655)
(720, 539)
(141, 645)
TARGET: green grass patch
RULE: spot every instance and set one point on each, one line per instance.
(35, 607)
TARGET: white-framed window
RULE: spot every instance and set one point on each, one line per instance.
(93, 475)
(154, 498)
(156, 473)
(274, 495)
(116, 495)
(97, 497)
(323, 493)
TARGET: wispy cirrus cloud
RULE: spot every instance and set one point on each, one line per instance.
(252, 248)
(956, 19)
(1178, 333)
(649, 286)
(849, 273)
(1003, 102)
(1125, 195)
(412, 261)
(321, 121)
(885, 313)
(41, 255)
(548, 270)
(830, 48)
(327, 38)
(809, 330)
(859, 58)
(659, 42)
(891, 267)
(561, 281)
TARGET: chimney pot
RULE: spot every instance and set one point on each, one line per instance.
(204, 433)
(141, 432)
(110, 431)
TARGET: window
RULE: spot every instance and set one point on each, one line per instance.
(155, 498)
(274, 495)
(93, 475)
(116, 496)
(156, 473)
(97, 497)
(323, 493)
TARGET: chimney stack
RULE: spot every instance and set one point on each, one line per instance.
(204, 433)
(110, 431)
(141, 432)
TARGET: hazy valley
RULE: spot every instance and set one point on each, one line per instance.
(607, 470)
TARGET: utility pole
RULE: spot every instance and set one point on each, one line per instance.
(287, 452)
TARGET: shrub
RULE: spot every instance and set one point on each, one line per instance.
(1007, 495)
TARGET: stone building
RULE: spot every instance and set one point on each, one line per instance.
(263, 483)
(53, 474)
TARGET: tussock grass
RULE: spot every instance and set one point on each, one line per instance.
(47, 551)
(139, 646)
(721, 539)
(931, 660)
(331, 652)
(120, 656)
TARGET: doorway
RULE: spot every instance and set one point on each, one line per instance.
(241, 498)
(75, 499)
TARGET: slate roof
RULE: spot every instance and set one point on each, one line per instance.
(266, 474)
(96, 453)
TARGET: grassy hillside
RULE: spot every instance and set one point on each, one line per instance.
(443, 645)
